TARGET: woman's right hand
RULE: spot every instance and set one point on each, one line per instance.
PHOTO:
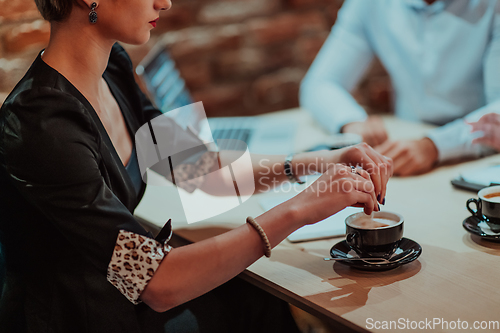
(335, 190)
(192, 270)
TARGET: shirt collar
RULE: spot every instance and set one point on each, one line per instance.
(421, 5)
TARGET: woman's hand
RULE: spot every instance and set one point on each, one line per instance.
(337, 188)
(182, 275)
(378, 167)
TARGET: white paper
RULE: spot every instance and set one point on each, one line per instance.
(330, 227)
(483, 176)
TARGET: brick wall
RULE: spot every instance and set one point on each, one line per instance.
(240, 57)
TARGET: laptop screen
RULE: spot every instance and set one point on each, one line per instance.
(166, 88)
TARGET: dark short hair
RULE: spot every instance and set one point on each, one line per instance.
(55, 10)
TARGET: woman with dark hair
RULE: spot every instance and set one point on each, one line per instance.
(76, 258)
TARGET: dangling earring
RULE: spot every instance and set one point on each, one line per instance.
(93, 14)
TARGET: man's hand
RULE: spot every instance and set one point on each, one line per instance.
(372, 130)
(490, 125)
(410, 157)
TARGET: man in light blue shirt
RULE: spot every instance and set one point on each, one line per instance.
(443, 58)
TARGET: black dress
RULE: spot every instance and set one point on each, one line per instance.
(64, 197)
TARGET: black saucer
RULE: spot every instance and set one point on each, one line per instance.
(341, 249)
(480, 227)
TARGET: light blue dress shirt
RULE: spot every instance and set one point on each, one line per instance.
(443, 60)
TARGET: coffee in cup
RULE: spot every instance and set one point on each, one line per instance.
(495, 197)
(376, 235)
(488, 204)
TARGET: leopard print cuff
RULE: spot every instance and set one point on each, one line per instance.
(134, 261)
(189, 177)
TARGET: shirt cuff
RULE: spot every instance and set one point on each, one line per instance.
(454, 140)
(134, 262)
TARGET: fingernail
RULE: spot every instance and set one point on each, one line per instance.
(378, 198)
(383, 202)
(378, 207)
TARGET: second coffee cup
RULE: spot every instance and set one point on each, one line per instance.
(488, 204)
(376, 235)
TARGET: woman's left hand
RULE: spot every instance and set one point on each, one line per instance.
(379, 167)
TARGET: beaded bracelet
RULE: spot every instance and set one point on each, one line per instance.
(262, 234)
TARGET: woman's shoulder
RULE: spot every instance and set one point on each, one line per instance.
(41, 124)
(42, 89)
(41, 109)
(30, 104)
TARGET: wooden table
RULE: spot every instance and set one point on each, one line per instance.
(455, 278)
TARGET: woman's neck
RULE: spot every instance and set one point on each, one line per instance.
(79, 56)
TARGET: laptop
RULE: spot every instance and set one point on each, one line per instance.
(167, 90)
